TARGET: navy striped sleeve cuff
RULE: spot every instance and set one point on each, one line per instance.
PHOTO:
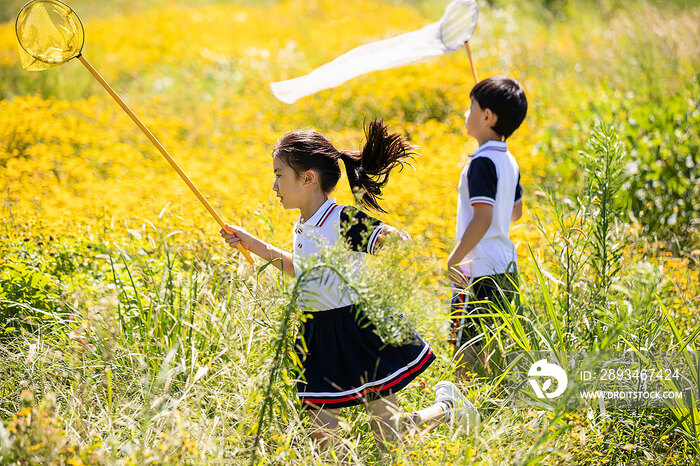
(372, 243)
(481, 200)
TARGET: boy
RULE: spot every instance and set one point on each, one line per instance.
(483, 264)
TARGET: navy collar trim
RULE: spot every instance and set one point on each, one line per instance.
(321, 215)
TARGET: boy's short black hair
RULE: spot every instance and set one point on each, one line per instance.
(504, 97)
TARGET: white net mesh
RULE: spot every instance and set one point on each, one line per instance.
(448, 34)
(458, 23)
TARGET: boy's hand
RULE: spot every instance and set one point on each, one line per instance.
(238, 235)
(457, 277)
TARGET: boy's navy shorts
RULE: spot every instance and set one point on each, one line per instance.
(480, 297)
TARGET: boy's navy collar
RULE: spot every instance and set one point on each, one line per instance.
(498, 146)
(321, 215)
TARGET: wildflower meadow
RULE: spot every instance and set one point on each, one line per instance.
(131, 334)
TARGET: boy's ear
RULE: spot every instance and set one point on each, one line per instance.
(491, 118)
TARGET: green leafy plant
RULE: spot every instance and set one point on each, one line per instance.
(27, 297)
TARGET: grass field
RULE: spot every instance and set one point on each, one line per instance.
(130, 333)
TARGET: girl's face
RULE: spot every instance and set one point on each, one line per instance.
(291, 190)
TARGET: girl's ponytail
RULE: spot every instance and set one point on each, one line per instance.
(368, 170)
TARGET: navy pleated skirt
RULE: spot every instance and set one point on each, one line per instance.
(345, 362)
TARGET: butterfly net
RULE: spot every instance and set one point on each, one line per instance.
(458, 23)
(447, 35)
(49, 33)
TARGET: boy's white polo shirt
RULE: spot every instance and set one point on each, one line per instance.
(491, 177)
(321, 230)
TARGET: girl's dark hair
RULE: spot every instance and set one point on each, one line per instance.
(367, 169)
(506, 98)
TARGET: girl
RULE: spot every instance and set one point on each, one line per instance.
(345, 363)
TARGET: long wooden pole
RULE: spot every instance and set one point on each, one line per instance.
(162, 150)
(471, 62)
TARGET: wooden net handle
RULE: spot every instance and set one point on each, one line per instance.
(164, 152)
(471, 62)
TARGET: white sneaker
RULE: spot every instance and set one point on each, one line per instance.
(459, 411)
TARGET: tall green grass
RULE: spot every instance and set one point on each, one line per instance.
(168, 351)
(597, 300)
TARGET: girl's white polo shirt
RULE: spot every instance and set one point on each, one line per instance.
(331, 223)
(491, 177)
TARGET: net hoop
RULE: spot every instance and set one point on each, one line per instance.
(458, 23)
(77, 28)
